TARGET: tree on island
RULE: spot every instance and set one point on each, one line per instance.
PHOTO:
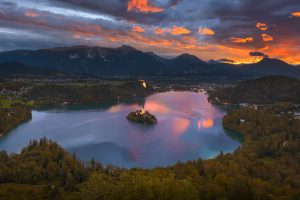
(142, 117)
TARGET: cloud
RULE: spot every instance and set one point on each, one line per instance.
(206, 31)
(142, 6)
(262, 26)
(138, 29)
(267, 38)
(8, 4)
(296, 14)
(159, 31)
(225, 60)
(257, 54)
(266, 47)
(30, 13)
(174, 2)
(109, 23)
(177, 30)
(241, 40)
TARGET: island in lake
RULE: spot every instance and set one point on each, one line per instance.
(142, 117)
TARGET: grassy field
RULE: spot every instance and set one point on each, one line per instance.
(5, 103)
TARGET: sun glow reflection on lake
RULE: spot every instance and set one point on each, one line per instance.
(188, 128)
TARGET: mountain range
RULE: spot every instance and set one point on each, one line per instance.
(126, 60)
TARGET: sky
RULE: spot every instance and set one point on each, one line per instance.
(234, 31)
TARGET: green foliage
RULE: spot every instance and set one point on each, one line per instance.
(40, 162)
(12, 114)
(142, 118)
(266, 90)
(138, 184)
(53, 95)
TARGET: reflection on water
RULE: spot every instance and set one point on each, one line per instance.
(206, 123)
(156, 107)
(188, 127)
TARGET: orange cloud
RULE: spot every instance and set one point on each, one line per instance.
(241, 40)
(138, 29)
(189, 39)
(262, 26)
(296, 14)
(264, 48)
(267, 38)
(31, 14)
(159, 31)
(206, 31)
(177, 30)
(142, 6)
(284, 48)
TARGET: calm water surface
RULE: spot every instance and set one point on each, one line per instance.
(188, 127)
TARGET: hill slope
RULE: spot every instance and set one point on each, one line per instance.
(265, 90)
(13, 69)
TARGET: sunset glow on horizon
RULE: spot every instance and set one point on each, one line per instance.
(166, 27)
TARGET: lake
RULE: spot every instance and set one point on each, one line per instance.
(188, 128)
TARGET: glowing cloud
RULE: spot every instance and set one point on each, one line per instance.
(72, 29)
(31, 14)
(264, 48)
(206, 31)
(225, 60)
(142, 6)
(267, 38)
(138, 29)
(241, 40)
(262, 26)
(159, 31)
(177, 30)
(296, 14)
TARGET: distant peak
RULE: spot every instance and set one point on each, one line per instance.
(213, 62)
(127, 47)
(189, 58)
(186, 55)
(268, 60)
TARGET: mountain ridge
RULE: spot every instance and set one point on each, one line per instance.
(127, 60)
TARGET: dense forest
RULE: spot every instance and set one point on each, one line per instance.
(12, 113)
(265, 167)
(260, 91)
(45, 95)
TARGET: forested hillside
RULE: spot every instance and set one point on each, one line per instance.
(12, 113)
(270, 89)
